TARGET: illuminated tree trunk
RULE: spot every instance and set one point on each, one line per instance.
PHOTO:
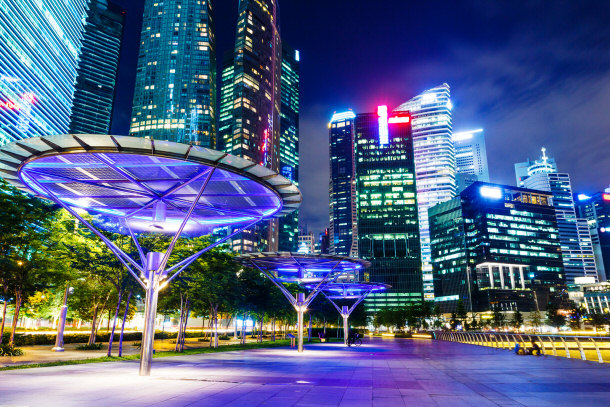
(4, 313)
(123, 325)
(116, 316)
(11, 342)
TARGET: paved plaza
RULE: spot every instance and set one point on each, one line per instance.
(383, 372)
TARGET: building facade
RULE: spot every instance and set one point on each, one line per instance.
(289, 141)
(251, 103)
(98, 69)
(307, 243)
(574, 234)
(528, 168)
(175, 91)
(388, 230)
(496, 245)
(343, 230)
(470, 157)
(435, 163)
(41, 43)
(595, 209)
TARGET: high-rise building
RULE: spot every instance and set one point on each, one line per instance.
(324, 242)
(388, 230)
(289, 141)
(595, 209)
(175, 91)
(496, 245)
(251, 102)
(435, 164)
(574, 234)
(470, 157)
(97, 69)
(307, 243)
(41, 43)
(343, 231)
(528, 168)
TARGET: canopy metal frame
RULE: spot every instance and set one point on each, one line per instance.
(151, 269)
(267, 263)
(345, 311)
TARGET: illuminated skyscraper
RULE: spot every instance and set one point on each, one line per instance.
(251, 102)
(574, 233)
(175, 92)
(495, 245)
(435, 164)
(388, 231)
(289, 141)
(41, 42)
(470, 157)
(98, 69)
(596, 210)
(343, 231)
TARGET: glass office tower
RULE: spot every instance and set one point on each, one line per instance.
(343, 231)
(289, 141)
(251, 103)
(595, 209)
(434, 162)
(41, 42)
(470, 157)
(576, 243)
(388, 230)
(496, 245)
(175, 92)
(98, 69)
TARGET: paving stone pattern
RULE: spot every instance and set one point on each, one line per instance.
(383, 372)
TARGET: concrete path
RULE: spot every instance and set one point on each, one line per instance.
(383, 372)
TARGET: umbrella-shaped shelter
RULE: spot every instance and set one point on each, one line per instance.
(315, 269)
(345, 291)
(136, 186)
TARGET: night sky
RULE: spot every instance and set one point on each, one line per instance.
(531, 73)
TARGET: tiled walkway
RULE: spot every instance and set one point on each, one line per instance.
(383, 372)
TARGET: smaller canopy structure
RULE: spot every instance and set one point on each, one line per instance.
(346, 291)
(318, 270)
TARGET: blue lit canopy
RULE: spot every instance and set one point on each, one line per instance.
(299, 268)
(350, 290)
(147, 185)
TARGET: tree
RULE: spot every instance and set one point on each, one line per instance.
(460, 311)
(214, 285)
(517, 320)
(576, 314)
(553, 317)
(497, 319)
(536, 319)
(30, 230)
(598, 320)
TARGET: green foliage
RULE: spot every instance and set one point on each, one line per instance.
(93, 346)
(517, 320)
(553, 317)
(498, 319)
(8, 350)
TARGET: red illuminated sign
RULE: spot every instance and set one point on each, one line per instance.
(9, 105)
(396, 120)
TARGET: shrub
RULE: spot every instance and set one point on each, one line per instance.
(6, 350)
(93, 346)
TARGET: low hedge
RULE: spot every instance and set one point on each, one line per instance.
(26, 339)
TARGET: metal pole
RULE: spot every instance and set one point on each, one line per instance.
(59, 340)
(300, 310)
(345, 315)
(150, 313)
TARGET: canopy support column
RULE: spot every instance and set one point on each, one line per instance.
(300, 311)
(345, 315)
(150, 312)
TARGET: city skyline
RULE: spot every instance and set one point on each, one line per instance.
(493, 63)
